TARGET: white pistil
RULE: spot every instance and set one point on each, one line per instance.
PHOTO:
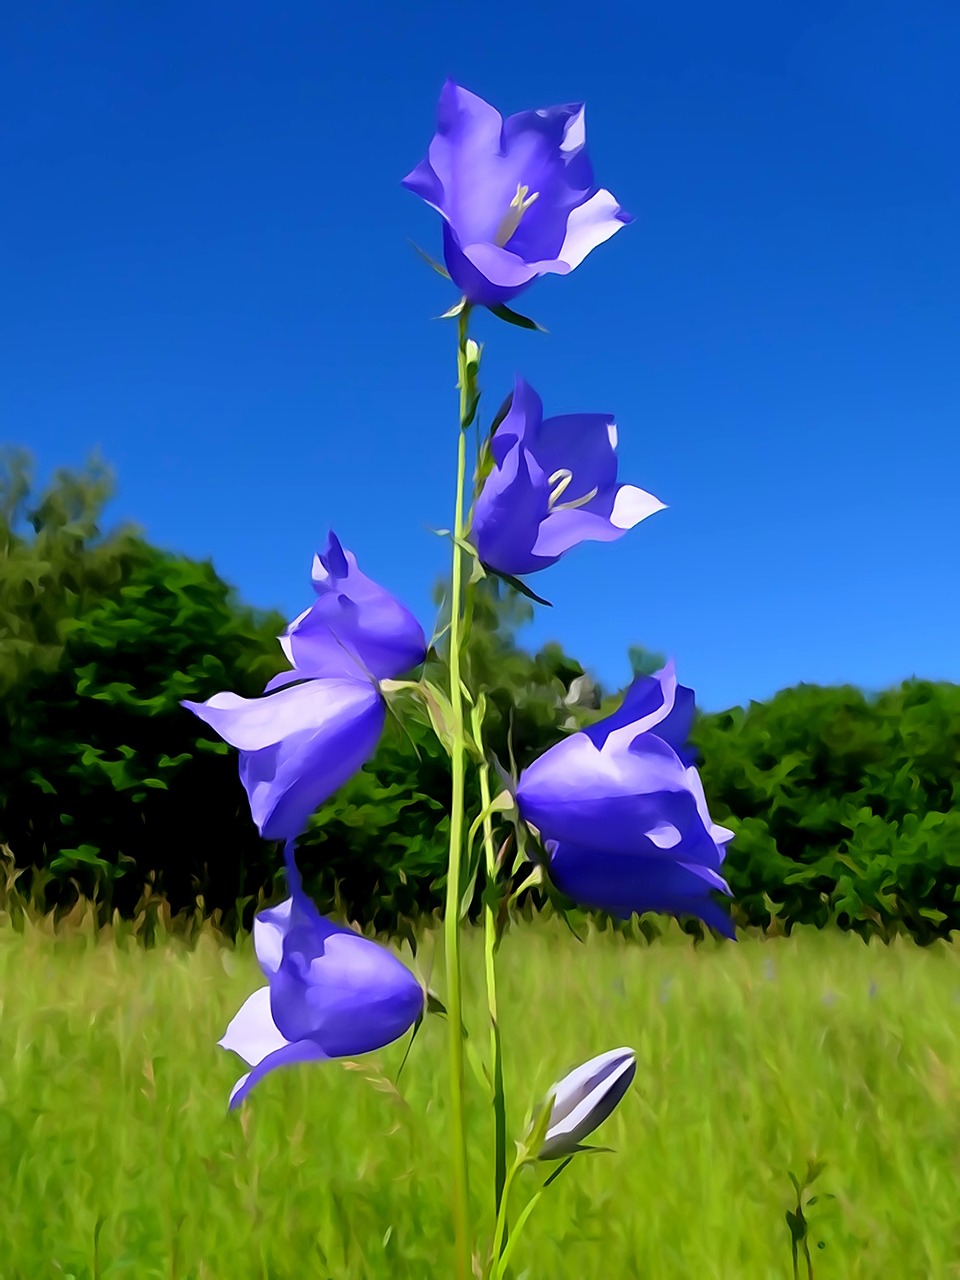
(519, 205)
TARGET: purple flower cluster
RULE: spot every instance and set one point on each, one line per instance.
(618, 807)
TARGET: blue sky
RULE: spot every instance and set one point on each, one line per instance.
(203, 244)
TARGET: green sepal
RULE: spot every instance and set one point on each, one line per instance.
(451, 312)
(514, 317)
(438, 267)
(435, 1004)
(538, 1131)
(517, 585)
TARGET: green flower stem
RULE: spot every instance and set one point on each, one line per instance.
(451, 921)
(490, 968)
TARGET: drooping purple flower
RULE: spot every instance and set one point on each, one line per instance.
(297, 744)
(320, 722)
(517, 196)
(553, 485)
(330, 993)
(585, 1098)
(622, 813)
(355, 627)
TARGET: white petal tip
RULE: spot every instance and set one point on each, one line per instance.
(631, 505)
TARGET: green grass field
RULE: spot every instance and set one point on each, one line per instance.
(120, 1159)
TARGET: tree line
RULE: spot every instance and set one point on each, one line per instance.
(846, 807)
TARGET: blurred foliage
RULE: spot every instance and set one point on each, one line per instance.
(105, 781)
(846, 808)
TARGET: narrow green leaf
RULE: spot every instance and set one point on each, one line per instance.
(521, 1222)
(557, 1172)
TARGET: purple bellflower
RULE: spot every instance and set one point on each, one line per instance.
(553, 485)
(585, 1098)
(330, 993)
(517, 196)
(622, 813)
(321, 722)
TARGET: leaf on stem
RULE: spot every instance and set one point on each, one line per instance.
(439, 711)
(471, 411)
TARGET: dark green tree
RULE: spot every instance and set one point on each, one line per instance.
(105, 781)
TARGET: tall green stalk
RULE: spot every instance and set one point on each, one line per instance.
(490, 969)
(451, 921)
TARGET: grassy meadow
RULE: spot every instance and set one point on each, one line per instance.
(121, 1160)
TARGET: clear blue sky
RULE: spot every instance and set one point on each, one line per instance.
(205, 273)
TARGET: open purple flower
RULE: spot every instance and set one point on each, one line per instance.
(584, 1098)
(355, 627)
(517, 196)
(622, 813)
(330, 993)
(553, 485)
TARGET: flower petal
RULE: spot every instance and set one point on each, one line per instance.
(505, 270)
(254, 723)
(288, 1056)
(589, 225)
(581, 443)
(522, 421)
(270, 927)
(563, 530)
(631, 505)
(622, 884)
(610, 799)
(508, 515)
(331, 730)
(655, 704)
(252, 1032)
(355, 627)
(351, 996)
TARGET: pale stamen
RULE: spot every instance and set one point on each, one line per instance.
(519, 205)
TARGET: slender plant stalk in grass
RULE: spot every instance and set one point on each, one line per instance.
(612, 817)
(466, 369)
